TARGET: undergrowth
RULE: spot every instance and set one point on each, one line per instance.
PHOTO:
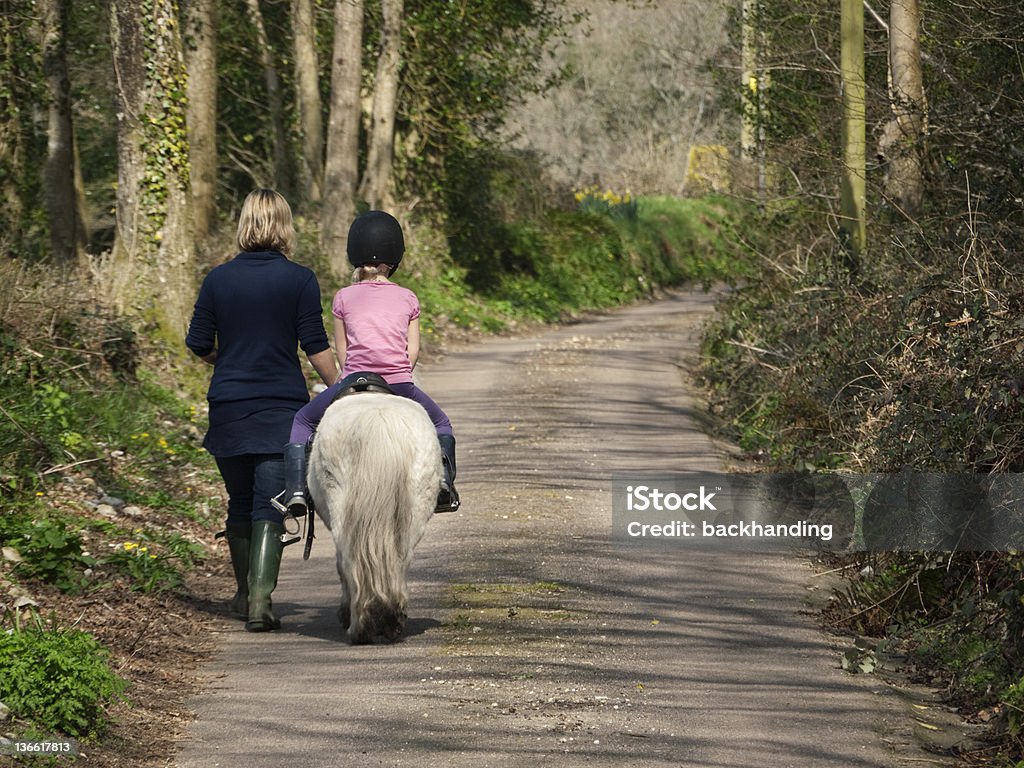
(957, 622)
(912, 360)
(903, 363)
(571, 261)
(100, 463)
(57, 678)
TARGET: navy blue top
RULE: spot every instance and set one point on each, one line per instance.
(256, 310)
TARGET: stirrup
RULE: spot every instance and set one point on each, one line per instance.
(291, 524)
(447, 500)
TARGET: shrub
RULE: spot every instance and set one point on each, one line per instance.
(49, 550)
(58, 680)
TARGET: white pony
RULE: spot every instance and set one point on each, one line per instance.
(373, 475)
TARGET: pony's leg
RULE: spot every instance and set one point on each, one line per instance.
(345, 609)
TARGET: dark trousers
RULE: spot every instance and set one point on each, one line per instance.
(251, 480)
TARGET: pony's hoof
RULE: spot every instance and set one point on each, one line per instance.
(394, 629)
(362, 637)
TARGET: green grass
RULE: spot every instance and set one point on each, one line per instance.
(560, 263)
(47, 425)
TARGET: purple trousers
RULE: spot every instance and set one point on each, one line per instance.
(308, 417)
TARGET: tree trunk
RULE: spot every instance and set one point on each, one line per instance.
(748, 127)
(341, 171)
(901, 145)
(307, 97)
(275, 103)
(853, 192)
(149, 273)
(376, 184)
(64, 201)
(755, 90)
(12, 143)
(201, 62)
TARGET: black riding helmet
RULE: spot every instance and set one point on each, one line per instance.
(376, 238)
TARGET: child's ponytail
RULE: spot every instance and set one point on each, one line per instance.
(370, 271)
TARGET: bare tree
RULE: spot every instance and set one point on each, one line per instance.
(341, 171)
(201, 62)
(65, 201)
(637, 96)
(275, 101)
(307, 97)
(854, 176)
(376, 182)
(149, 272)
(900, 146)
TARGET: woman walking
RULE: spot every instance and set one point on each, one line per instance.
(252, 315)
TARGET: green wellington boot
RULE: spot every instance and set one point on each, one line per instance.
(264, 564)
(238, 536)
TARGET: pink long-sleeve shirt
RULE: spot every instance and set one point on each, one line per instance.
(377, 317)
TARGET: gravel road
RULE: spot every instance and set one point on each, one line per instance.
(533, 639)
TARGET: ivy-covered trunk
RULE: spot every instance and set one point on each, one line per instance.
(16, 149)
(149, 273)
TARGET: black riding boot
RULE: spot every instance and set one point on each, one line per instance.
(295, 479)
(448, 497)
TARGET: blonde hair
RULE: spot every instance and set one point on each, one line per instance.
(370, 271)
(265, 223)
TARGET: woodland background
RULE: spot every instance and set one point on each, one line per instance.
(851, 171)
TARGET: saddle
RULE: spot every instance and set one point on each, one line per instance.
(362, 381)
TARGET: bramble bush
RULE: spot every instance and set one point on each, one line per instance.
(887, 368)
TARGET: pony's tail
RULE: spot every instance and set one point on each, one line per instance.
(376, 555)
